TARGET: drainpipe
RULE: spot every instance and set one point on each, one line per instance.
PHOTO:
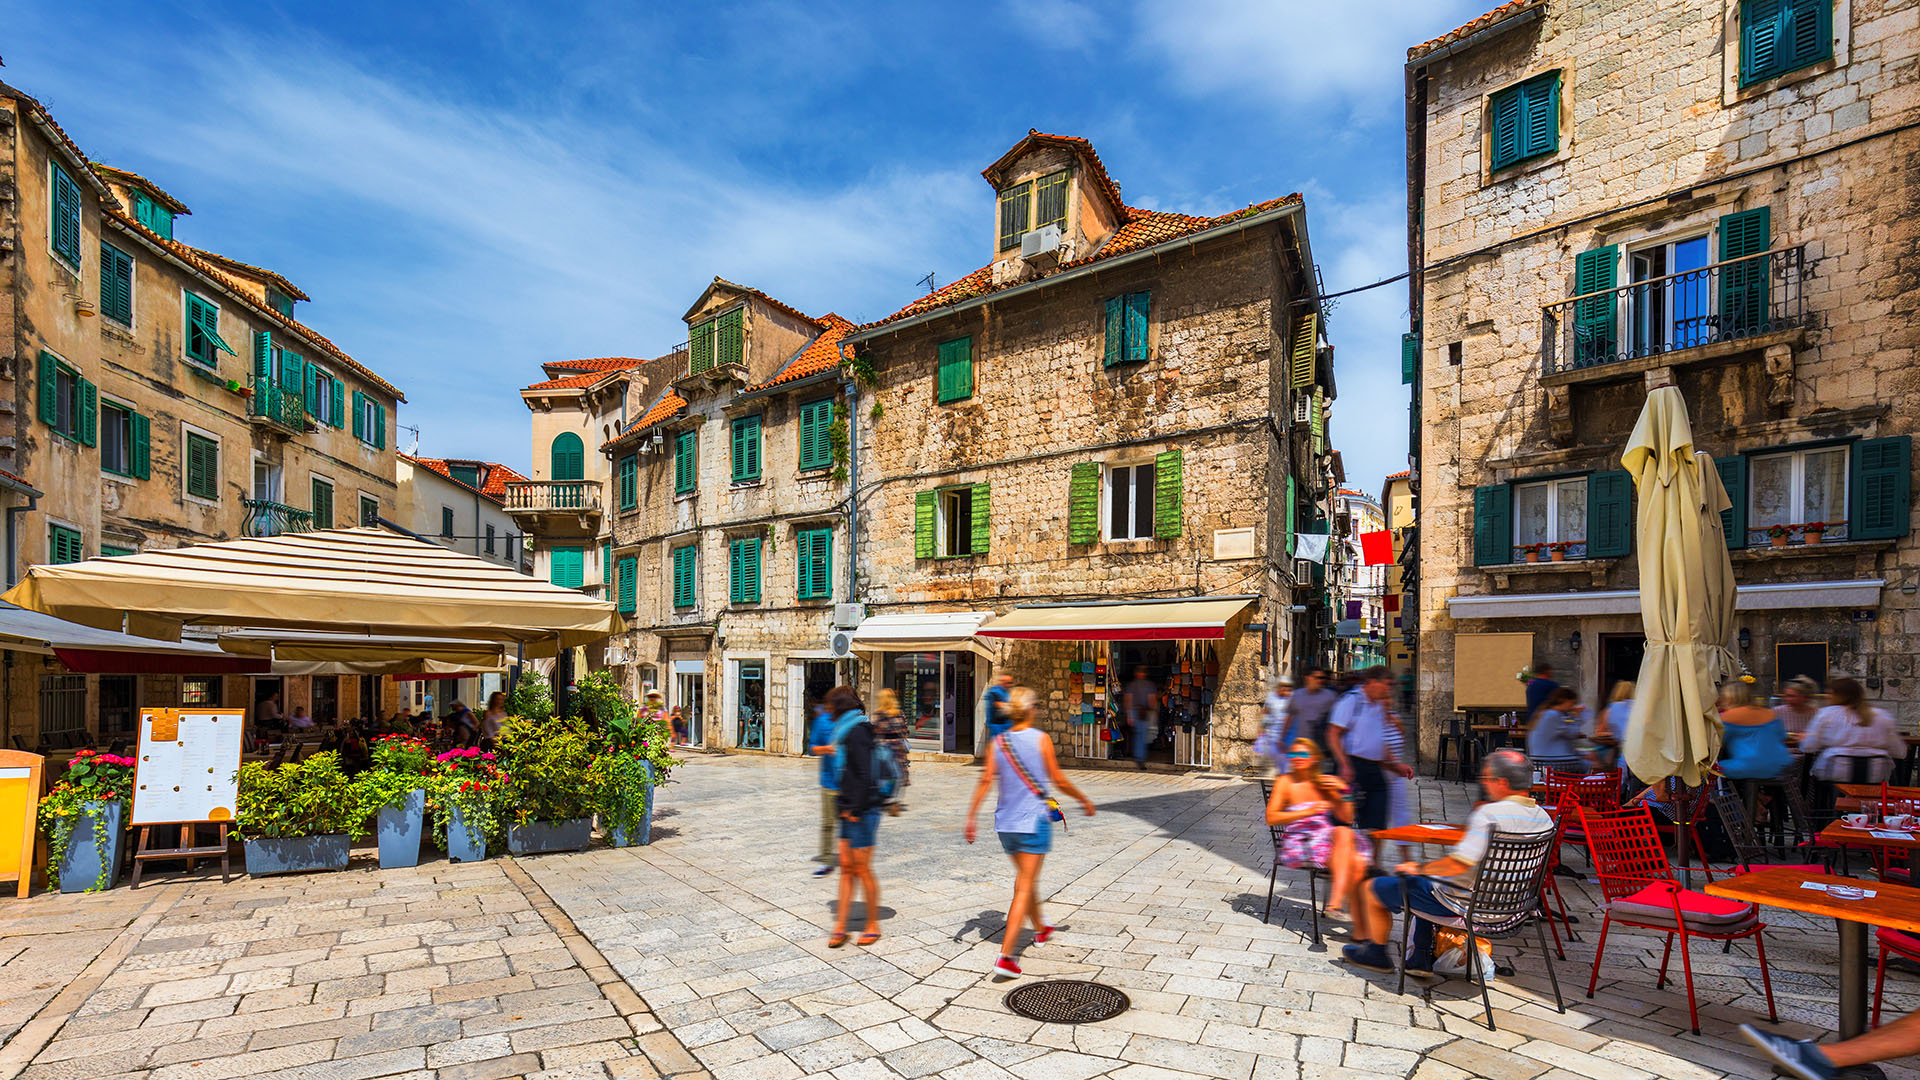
(13, 527)
(853, 488)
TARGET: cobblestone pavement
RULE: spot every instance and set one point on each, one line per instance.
(704, 955)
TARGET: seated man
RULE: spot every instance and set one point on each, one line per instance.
(1444, 886)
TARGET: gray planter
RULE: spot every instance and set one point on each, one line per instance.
(537, 837)
(461, 846)
(80, 871)
(401, 829)
(643, 834)
(296, 854)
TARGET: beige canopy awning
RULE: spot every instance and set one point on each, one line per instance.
(297, 652)
(928, 631)
(364, 581)
(1203, 617)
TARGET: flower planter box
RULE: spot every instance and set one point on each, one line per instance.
(461, 845)
(296, 854)
(401, 829)
(538, 837)
(81, 870)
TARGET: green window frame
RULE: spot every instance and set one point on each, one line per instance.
(955, 378)
(1127, 328)
(953, 522)
(1608, 516)
(746, 449)
(1050, 200)
(569, 458)
(1016, 210)
(69, 404)
(567, 566)
(323, 504)
(64, 545)
(109, 551)
(201, 338)
(202, 468)
(743, 570)
(685, 594)
(1778, 36)
(816, 441)
(814, 558)
(627, 574)
(63, 224)
(1525, 120)
(629, 482)
(686, 451)
(116, 284)
(147, 211)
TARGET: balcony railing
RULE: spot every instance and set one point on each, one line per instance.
(558, 496)
(1730, 301)
(278, 406)
(268, 518)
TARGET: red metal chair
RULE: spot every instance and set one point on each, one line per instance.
(1599, 792)
(1890, 941)
(1641, 891)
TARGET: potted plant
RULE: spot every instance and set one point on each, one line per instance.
(1532, 551)
(632, 763)
(1559, 550)
(464, 794)
(299, 816)
(1814, 531)
(546, 796)
(84, 817)
(396, 789)
(1778, 535)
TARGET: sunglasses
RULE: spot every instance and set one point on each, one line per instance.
(1299, 757)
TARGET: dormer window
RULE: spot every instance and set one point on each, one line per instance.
(1032, 204)
(280, 302)
(150, 213)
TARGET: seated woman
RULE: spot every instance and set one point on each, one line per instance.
(1318, 821)
(1754, 746)
(1850, 729)
(1552, 734)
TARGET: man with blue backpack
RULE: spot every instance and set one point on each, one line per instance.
(820, 743)
(868, 777)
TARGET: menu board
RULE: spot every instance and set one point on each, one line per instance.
(185, 770)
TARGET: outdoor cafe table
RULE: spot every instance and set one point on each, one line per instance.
(1895, 906)
(1860, 796)
(1421, 834)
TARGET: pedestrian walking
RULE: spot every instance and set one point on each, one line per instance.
(1023, 815)
(820, 743)
(995, 702)
(1310, 706)
(1142, 699)
(1275, 733)
(1541, 686)
(858, 803)
(1357, 736)
(891, 728)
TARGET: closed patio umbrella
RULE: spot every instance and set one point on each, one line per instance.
(1686, 596)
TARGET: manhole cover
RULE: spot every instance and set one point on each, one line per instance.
(1067, 1001)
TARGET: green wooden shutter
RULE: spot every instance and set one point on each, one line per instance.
(815, 564)
(567, 567)
(1492, 525)
(1540, 115)
(730, 343)
(116, 284)
(49, 390)
(1507, 115)
(203, 467)
(746, 449)
(816, 447)
(1409, 358)
(141, 451)
(1137, 304)
(293, 373)
(569, 460)
(1733, 521)
(1762, 54)
(606, 560)
(64, 545)
(89, 403)
(982, 520)
(360, 416)
(1595, 329)
(629, 482)
(262, 360)
(627, 577)
(955, 381)
(1083, 504)
(1744, 306)
(1169, 495)
(684, 476)
(379, 426)
(736, 572)
(337, 402)
(66, 217)
(1807, 32)
(1882, 489)
(1609, 515)
(923, 507)
(1306, 340)
(1115, 347)
(1293, 498)
(700, 348)
(1317, 420)
(683, 578)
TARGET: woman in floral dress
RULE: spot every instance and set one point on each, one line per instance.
(1317, 814)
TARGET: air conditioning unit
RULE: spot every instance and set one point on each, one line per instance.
(848, 616)
(1303, 571)
(840, 644)
(1041, 247)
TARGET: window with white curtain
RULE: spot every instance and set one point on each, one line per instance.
(1551, 512)
(1797, 487)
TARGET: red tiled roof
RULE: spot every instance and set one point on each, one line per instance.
(271, 277)
(172, 204)
(66, 141)
(1075, 143)
(820, 354)
(1462, 33)
(21, 480)
(569, 382)
(597, 363)
(1403, 474)
(1144, 228)
(723, 283)
(663, 408)
(498, 475)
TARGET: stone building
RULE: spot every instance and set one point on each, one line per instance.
(1359, 597)
(462, 505)
(1402, 584)
(1125, 410)
(154, 394)
(727, 516)
(1608, 197)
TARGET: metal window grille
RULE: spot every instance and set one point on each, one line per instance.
(63, 704)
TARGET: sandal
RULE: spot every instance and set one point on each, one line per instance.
(836, 939)
(867, 938)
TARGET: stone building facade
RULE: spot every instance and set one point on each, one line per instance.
(1124, 405)
(1714, 195)
(154, 394)
(460, 504)
(1359, 598)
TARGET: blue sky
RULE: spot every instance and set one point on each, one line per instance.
(468, 190)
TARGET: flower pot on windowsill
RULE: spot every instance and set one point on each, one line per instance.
(1533, 556)
(1778, 541)
(1559, 556)
(1814, 536)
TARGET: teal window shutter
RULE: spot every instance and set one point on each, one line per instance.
(729, 343)
(569, 460)
(923, 515)
(956, 370)
(1595, 328)
(606, 562)
(1745, 307)
(630, 482)
(1409, 358)
(202, 466)
(337, 401)
(379, 426)
(743, 572)
(684, 475)
(1137, 304)
(1292, 502)
(736, 573)
(65, 223)
(1168, 495)
(360, 416)
(1492, 525)
(141, 450)
(567, 566)
(116, 284)
(89, 402)
(1083, 503)
(1526, 120)
(1778, 36)
(815, 564)
(64, 545)
(683, 577)
(1881, 489)
(627, 577)
(262, 362)
(49, 389)
(816, 444)
(746, 449)
(1733, 477)
(1609, 515)
(311, 393)
(1116, 342)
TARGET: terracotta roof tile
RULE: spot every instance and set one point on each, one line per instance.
(820, 354)
(1403, 474)
(494, 488)
(173, 205)
(568, 382)
(66, 141)
(664, 407)
(1504, 11)
(597, 363)
(723, 283)
(1075, 143)
(271, 277)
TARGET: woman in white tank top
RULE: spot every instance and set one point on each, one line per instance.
(1023, 761)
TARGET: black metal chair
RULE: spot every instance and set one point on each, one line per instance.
(1314, 874)
(1506, 897)
(1750, 851)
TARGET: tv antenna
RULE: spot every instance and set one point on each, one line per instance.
(927, 281)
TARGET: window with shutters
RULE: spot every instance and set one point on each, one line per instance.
(1797, 488)
(626, 585)
(1016, 211)
(280, 302)
(324, 395)
(686, 475)
(955, 523)
(1779, 36)
(370, 517)
(814, 551)
(954, 380)
(116, 438)
(567, 566)
(68, 403)
(201, 338)
(816, 442)
(1550, 512)
(569, 459)
(150, 213)
(1671, 305)
(743, 570)
(446, 522)
(1126, 337)
(1524, 121)
(109, 551)
(1129, 502)
(718, 341)
(492, 540)
(1050, 201)
(63, 224)
(64, 545)
(684, 592)
(1581, 517)
(201, 465)
(628, 474)
(370, 421)
(746, 449)
(322, 503)
(116, 284)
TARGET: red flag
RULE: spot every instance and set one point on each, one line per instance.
(1392, 601)
(1377, 547)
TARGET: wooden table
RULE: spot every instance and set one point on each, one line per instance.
(1895, 906)
(1840, 834)
(1872, 791)
(1421, 834)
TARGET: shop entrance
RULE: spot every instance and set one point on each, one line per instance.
(690, 697)
(808, 682)
(1620, 656)
(1158, 658)
(937, 692)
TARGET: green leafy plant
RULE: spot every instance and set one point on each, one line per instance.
(876, 412)
(306, 798)
(860, 366)
(91, 777)
(837, 440)
(546, 763)
(617, 783)
(470, 780)
(532, 698)
(401, 764)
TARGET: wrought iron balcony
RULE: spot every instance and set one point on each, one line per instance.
(553, 496)
(1732, 301)
(275, 405)
(268, 518)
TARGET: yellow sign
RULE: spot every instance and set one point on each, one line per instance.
(19, 796)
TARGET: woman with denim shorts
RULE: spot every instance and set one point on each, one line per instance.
(1020, 758)
(858, 803)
